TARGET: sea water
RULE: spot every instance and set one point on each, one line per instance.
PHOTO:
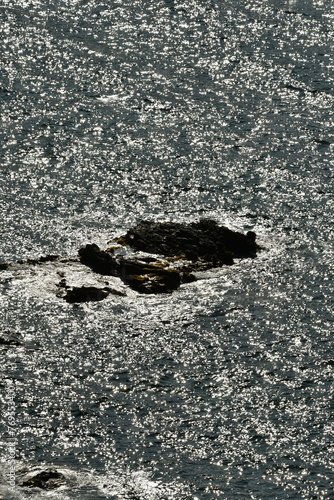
(113, 112)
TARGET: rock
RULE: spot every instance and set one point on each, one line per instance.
(41, 260)
(186, 248)
(202, 241)
(4, 266)
(148, 278)
(226, 240)
(62, 283)
(188, 278)
(203, 244)
(99, 261)
(89, 294)
(46, 480)
(11, 339)
(145, 275)
(251, 236)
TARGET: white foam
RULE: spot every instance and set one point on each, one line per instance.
(88, 484)
(113, 97)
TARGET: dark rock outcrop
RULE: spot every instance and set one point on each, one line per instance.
(203, 241)
(183, 250)
(46, 480)
(145, 275)
(89, 294)
(11, 339)
(149, 278)
(99, 261)
(203, 245)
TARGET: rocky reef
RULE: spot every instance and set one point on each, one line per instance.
(203, 241)
(184, 249)
(153, 257)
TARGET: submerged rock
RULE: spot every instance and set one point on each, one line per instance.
(46, 480)
(86, 294)
(42, 259)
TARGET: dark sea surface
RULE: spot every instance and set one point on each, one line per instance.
(117, 111)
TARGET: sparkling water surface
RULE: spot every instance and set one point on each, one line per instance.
(113, 112)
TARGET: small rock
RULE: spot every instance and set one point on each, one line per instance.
(62, 283)
(188, 278)
(147, 278)
(98, 260)
(41, 260)
(46, 480)
(10, 341)
(87, 294)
